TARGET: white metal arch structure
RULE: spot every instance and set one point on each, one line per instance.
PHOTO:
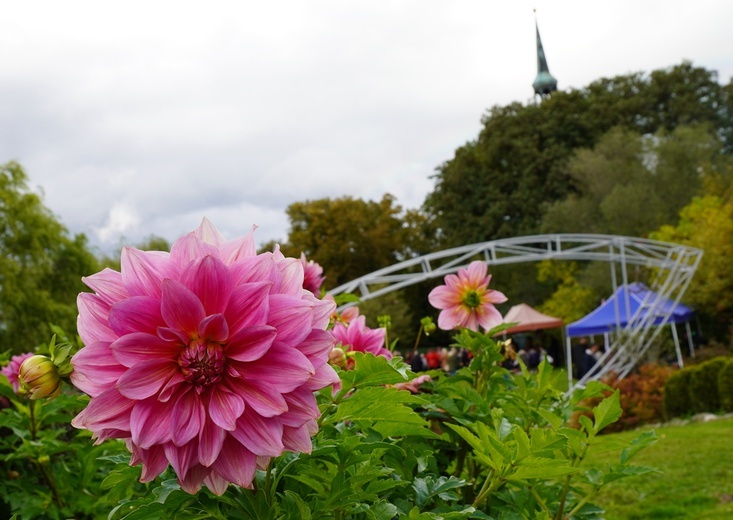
(671, 267)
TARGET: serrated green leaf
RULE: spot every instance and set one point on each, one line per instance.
(638, 443)
(381, 510)
(608, 411)
(371, 370)
(381, 405)
(536, 467)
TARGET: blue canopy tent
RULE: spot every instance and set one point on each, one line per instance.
(630, 302)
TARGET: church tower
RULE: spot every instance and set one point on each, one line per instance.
(544, 84)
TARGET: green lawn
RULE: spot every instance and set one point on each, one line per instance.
(695, 479)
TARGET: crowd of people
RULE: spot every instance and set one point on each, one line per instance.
(585, 355)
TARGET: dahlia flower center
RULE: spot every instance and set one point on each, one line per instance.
(471, 299)
(202, 363)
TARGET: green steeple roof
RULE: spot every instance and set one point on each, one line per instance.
(544, 83)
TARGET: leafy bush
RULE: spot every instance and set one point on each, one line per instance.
(704, 385)
(482, 443)
(677, 394)
(642, 396)
(725, 386)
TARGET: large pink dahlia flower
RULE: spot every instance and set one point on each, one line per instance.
(357, 337)
(466, 300)
(206, 358)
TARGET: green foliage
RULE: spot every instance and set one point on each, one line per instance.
(500, 184)
(40, 265)
(725, 385)
(707, 223)
(351, 237)
(704, 395)
(51, 470)
(482, 443)
(677, 394)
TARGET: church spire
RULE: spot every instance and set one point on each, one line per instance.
(544, 83)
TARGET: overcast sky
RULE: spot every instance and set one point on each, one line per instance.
(138, 118)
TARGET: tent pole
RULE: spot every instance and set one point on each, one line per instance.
(689, 339)
(569, 362)
(677, 345)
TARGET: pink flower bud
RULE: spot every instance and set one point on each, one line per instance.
(337, 357)
(39, 376)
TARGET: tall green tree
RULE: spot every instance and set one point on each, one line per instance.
(41, 266)
(352, 237)
(501, 184)
(630, 184)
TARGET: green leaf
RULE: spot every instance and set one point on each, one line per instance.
(382, 510)
(371, 370)
(385, 407)
(536, 467)
(608, 411)
(638, 443)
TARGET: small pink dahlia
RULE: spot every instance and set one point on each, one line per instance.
(357, 337)
(313, 275)
(11, 370)
(205, 358)
(466, 300)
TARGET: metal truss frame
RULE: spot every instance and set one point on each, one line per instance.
(670, 266)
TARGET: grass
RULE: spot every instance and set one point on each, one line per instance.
(695, 479)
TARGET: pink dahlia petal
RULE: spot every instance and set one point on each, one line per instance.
(108, 285)
(189, 248)
(151, 423)
(322, 311)
(143, 271)
(476, 274)
(92, 322)
(488, 317)
(292, 277)
(194, 480)
(493, 296)
(238, 249)
(442, 297)
(292, 317)
(225, 407)
(317, 346)
(147, 378)
(210, 280)
(181, 308)
(452, 318)
(297, 439)
(189, 417)
(237, 464)
(260, 396)
(248, 305)
(214, 328)
(109, 410)
(12, 369)
(302, 407)
(95, 369)
(284, 370)
(325, 376)
(135, 348)
(260, 435)
(250, 343)
(208, 233)
(216, 483)
(135, 314)
(154, 462)
(183, 458)
(261, 268)
(211, 442)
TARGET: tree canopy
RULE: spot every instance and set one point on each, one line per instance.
(501, 184)
(41, 266)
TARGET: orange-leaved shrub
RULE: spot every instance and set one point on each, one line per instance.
(642, 396)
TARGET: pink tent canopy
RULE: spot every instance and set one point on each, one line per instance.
(527, 318)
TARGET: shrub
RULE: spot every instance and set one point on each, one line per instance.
(642, 396)
(725, 386)
(704, 385)
(677, 394)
